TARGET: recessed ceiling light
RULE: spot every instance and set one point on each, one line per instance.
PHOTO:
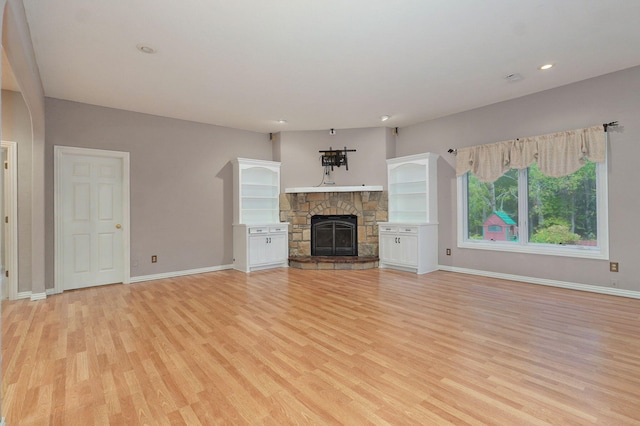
(384, 117)
(546, 66)
(145, 48)
(281, 121)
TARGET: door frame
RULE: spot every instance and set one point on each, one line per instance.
(59, 153)
(10, 200)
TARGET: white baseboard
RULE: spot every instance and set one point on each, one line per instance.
(522, 278)
(542, 281)
(32, 296)
(52, 291)
(162, 276)
(38, 296)
(2, 423)
(24, 295)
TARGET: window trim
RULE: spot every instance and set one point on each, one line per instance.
(523, 245)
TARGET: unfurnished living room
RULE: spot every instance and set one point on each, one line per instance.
(320, 212)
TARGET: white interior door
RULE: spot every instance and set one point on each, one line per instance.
(4, 292)
(10, 219)
(91, 219)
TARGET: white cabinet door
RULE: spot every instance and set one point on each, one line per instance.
(277, 247)
(258, 249)
(408, 245)
(408, 249)
(399, 249)
(388, 247)
(267, 248)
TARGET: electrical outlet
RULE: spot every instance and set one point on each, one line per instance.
(448, 252)
(154, 259)
(613, 267)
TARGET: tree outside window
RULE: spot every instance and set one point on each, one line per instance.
(541, 211)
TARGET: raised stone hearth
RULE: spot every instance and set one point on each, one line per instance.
(333, 262)
(370, 207)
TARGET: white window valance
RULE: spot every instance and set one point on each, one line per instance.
(556, 154)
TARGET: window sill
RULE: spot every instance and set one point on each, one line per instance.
(566, 251)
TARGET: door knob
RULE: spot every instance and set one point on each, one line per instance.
(118, 226)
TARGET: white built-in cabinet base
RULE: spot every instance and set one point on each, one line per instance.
(257, 247)
(408, 247)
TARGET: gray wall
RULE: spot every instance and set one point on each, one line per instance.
(599, 100)
(16, 127)
(16, 42)
(301, 166)
(181, 176)
(181, 181)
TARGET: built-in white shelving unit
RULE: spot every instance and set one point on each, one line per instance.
(409, 241)
(259, 239)
(256, 188)
(413, 188)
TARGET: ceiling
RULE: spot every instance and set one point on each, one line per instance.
(323, 64)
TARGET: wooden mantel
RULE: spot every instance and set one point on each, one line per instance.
(332, 188)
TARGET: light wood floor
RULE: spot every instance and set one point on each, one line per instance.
(289, 346)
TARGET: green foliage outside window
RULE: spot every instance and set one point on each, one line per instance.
(486, 198)
(560, 210)
(555, 234)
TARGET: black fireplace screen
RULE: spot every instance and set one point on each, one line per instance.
(334, 235)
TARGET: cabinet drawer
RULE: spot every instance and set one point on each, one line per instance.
(261, 230)
(408, 230)
(387, 228)
(278, 229)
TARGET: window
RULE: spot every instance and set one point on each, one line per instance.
(486, 201)
(527, 211)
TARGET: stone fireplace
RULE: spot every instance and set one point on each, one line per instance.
(368, 206)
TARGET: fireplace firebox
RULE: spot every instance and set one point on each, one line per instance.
(334, 235)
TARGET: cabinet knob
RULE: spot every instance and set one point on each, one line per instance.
(118, 226)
